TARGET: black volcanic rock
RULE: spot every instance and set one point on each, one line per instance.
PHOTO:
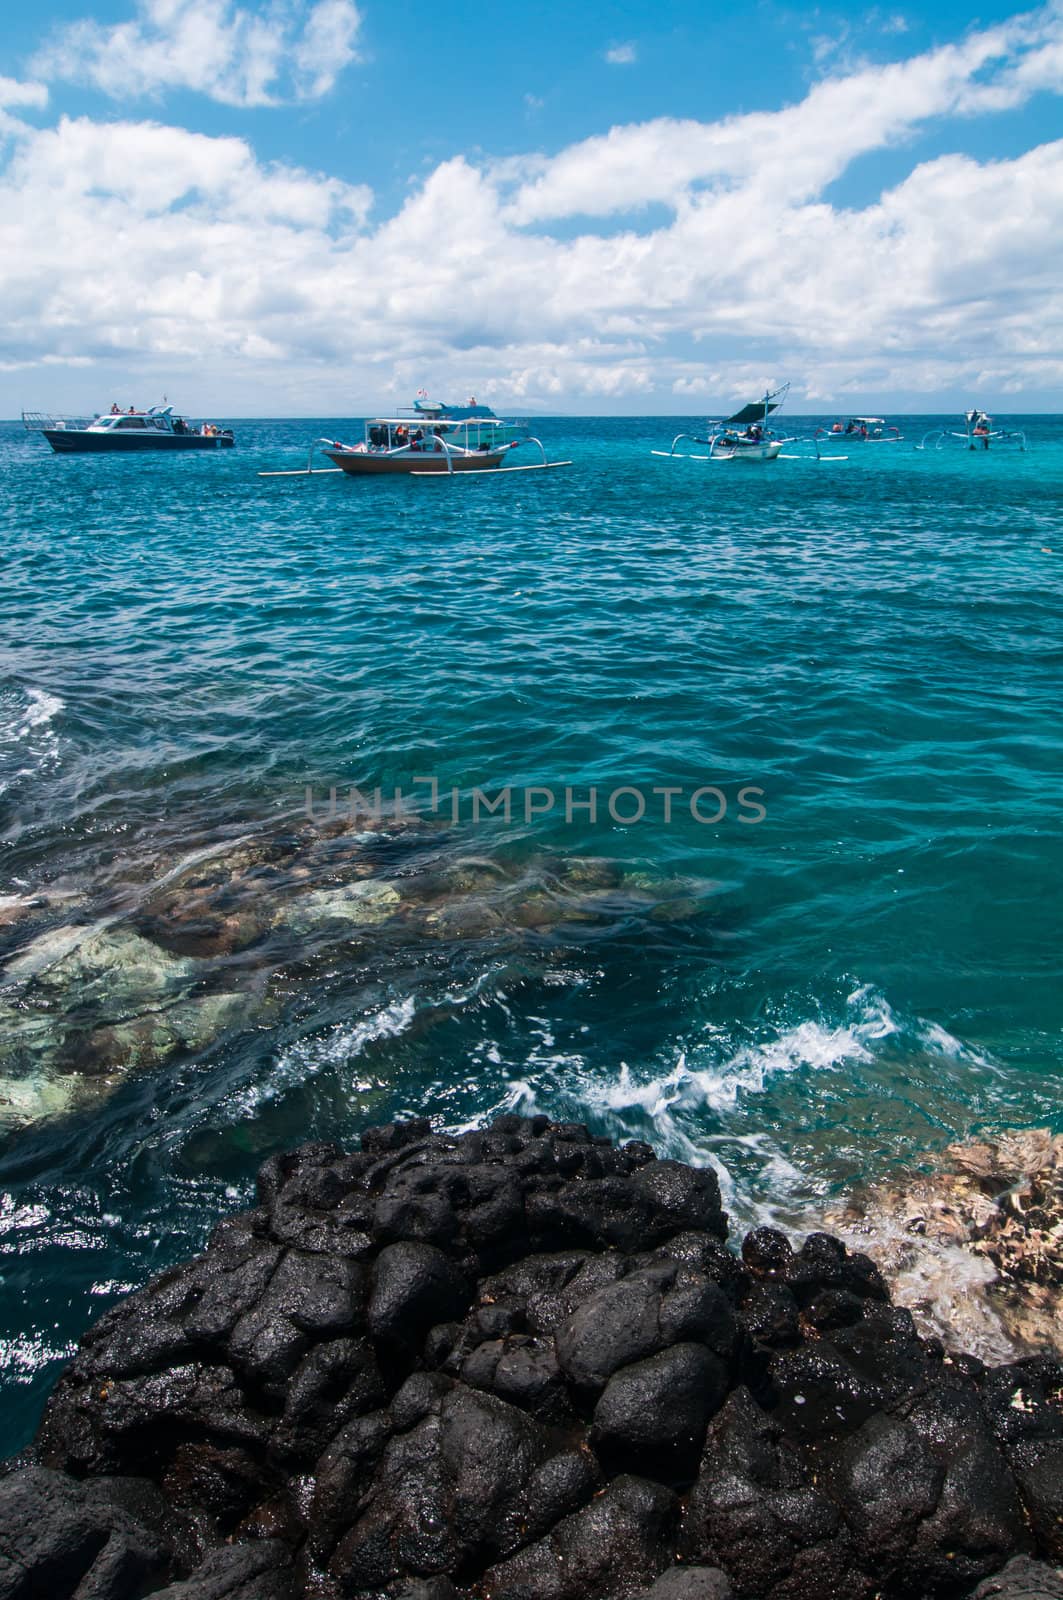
(522, 1364)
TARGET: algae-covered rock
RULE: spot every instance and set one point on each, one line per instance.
(360, 905)
(149, 1040)
(105, 964)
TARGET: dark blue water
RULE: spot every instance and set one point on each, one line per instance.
(809, 999)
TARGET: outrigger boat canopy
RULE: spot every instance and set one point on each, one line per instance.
(757, 410)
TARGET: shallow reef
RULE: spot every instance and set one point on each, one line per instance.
(205, 947)
(975, 1246)
(522, 1363)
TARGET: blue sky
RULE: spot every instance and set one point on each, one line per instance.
(318, 206)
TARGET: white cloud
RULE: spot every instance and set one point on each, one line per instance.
(239, 56)
(621, 55)
(15, 93)
(169, 252)
(796, 152)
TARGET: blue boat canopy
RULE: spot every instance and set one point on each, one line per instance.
(435, 408)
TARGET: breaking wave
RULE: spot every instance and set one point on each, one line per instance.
(29, 742)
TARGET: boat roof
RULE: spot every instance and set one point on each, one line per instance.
(751, 413)
(152, 411)
(438, 419)
(757, 410)
(867, 419)
(436, 408)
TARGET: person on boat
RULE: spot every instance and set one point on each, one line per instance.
(863, 430)
(115, 408)
(132, 411)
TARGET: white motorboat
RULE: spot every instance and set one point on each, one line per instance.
(127, 431)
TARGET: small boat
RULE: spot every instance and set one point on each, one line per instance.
(863, 430)
(430, 439)
(743, 437)
(154, 429)
(978, 434)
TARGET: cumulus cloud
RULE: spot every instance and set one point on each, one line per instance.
(621, 55)
(16, 93)
(278, 280)
(239, 56)
(796, 152)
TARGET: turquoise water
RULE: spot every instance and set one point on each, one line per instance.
(808, 1000)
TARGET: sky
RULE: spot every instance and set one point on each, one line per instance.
(321, 207)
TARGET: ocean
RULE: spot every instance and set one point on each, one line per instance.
(807, 928)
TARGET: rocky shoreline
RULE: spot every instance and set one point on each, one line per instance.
(974, 1247)
(522, 1363)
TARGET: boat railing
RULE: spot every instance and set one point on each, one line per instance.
(37, 421)
(515, 444)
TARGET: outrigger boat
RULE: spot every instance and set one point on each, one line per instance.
(978, 434)
(863, 430)
(743, 437)
(428, 440)
(154, 429)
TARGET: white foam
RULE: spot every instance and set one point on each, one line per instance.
(334, 1049)
(42, 709)
(28, 741)
(943, 1285)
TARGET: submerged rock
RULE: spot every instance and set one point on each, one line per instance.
(361, 904)
(90, 1004)
(521, 1363)
(211, 945)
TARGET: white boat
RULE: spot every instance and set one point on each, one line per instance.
(127, 431)
(429, 440)
(978, 434)
(863, 430)
(743, 437)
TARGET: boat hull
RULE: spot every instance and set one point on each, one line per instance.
(362, 464)
(749, 452)
(75, 441)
